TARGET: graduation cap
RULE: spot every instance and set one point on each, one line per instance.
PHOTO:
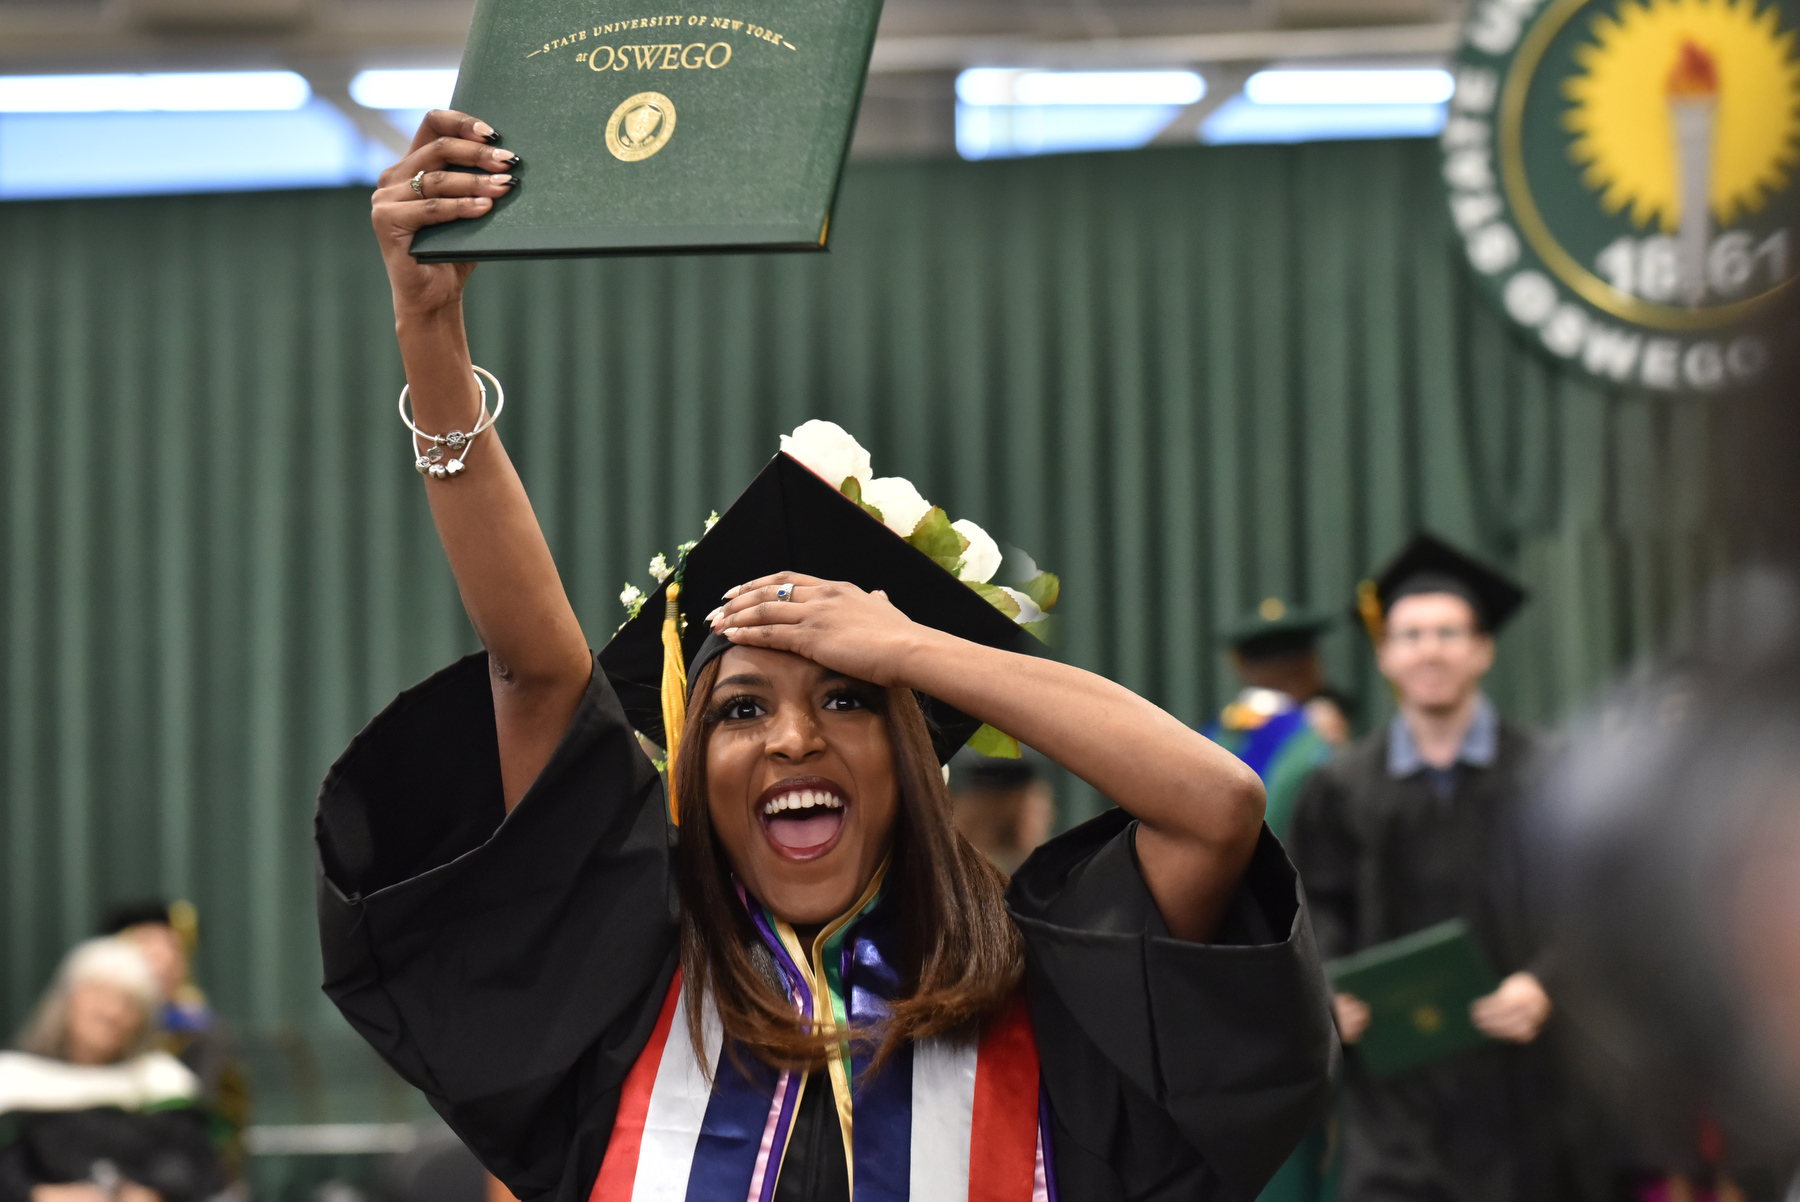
(1275, 628)
(1430, 565)
(790, 520)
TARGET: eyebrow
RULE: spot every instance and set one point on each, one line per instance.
(744, 678)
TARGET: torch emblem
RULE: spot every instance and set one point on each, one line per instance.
(1693, 107)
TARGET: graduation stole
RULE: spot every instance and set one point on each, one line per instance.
(942, 1120)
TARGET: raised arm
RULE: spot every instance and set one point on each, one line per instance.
(1200, 807)
(539, 662)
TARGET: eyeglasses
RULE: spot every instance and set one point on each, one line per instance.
(1413, 636)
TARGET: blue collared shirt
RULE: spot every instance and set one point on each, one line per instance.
(1481, 743)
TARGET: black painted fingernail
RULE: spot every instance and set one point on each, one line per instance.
(515, 161)
(493, 138)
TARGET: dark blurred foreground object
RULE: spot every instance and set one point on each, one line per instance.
(439, 1169)
(1669, 847)
(1671, 844)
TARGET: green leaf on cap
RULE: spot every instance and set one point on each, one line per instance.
(997, 597)
(996, 743)
(935, 536)
(852, 488)
(1044, 589)
(1041, 629)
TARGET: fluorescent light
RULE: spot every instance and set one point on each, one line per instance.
(404, 89)
(995, 131)
(193, 92)
(1010, 86)
(1411, 86)
(1242, 120)
(44, 155)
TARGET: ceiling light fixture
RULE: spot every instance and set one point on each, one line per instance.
(173, 92)
(1013, 86)
(404, 89)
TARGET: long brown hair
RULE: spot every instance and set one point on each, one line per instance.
(961, 955)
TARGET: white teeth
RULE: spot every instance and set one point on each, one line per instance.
(802, 800)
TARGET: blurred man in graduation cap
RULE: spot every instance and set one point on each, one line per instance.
(1417, 825)
(1281, 723)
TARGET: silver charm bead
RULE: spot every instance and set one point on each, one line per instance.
(422, 464)
(453, 467)
(437, 471)
(455, 438)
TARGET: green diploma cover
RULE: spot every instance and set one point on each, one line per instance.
(645, 129)
(1418, 989)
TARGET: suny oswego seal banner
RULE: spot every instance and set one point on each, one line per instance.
(1621, 173)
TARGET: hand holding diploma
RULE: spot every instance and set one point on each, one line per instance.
(1515, 1012)
(421, 191)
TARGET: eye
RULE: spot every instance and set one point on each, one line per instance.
(738, 709)
(845, 701)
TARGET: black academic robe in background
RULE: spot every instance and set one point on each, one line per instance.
(1381, 858)
(513, 969)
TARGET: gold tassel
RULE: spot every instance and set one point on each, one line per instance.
(1368, 607)
(674, 690)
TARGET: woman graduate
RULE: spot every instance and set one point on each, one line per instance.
(790, 980)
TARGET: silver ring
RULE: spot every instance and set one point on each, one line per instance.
(418, 183)
(784, 592)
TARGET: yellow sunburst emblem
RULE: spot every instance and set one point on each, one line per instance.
(1686, 96)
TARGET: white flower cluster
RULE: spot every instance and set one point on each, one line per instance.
(963, 548)
(833, 454)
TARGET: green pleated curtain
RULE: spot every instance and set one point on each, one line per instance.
(1185, 380)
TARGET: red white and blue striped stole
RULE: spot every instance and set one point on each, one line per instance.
(943, 1119)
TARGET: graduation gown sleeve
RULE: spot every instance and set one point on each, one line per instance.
(510, 966)
(1174, 1070)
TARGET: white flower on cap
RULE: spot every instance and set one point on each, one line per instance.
(1028, 609)
(828, 450)
(900, 503)
(982, 558)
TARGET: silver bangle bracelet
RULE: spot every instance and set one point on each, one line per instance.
(431, 461)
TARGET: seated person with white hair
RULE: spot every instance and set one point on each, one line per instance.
(89, 1110)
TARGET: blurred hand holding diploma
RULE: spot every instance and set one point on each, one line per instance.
(1515, 1012)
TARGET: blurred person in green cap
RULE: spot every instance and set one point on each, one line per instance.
(1283, 723)
(1003, 807)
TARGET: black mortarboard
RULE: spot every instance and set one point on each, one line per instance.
(1275, 628)
(125, 915)
(1430, 565)
(790, 520)
(177, 914)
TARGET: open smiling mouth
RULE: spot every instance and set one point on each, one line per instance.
(802, 817)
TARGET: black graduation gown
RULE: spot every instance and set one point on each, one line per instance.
(1381, 858)
(512, 970)
(163, 1150)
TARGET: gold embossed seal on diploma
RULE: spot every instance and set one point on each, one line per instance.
(586, 92)
(640, 126)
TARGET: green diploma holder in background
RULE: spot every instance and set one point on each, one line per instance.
(645, 128)
(1418, 989)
